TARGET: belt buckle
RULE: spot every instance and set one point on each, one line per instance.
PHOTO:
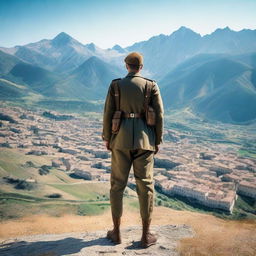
(132, 115)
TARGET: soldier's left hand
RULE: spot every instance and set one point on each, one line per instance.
(107, 145)
(157, 149)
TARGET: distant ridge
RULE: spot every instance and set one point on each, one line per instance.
(162, 52)
(95, 73)
(199, 72)
(219, 87)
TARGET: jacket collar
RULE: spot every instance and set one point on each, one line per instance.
(133, 74)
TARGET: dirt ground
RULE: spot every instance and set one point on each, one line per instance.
(214, 236)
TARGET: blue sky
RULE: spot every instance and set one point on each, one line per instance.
(109, 22)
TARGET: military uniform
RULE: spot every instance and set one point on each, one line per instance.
(134, 143)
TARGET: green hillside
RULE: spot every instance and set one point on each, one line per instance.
(235, 104)
(36, 78)
(94, 75)
(89, 81)
(34, 58)
(55, 194)
(10, 90)
(7, 62)
(215, 86)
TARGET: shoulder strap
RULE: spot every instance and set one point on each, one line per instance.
(151, 80)
(117, 94)
(148, 88)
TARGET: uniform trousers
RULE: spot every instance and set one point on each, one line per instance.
(143, 162)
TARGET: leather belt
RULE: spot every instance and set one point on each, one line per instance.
(133, 115)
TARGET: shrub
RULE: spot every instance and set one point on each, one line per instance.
(159, 202)
(7, 118)
(54, 195)
(44, 169)
(57, 117)
(22, 184)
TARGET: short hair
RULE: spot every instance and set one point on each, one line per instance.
(132, 66)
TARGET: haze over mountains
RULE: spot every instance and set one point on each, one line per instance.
(214, 75)
(219, 86)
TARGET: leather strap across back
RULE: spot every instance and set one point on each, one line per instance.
(117, 95)
(148, 88)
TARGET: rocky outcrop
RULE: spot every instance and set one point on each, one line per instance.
(95, 243)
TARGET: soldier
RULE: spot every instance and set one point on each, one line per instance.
(135, 144)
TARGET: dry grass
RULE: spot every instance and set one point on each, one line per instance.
(227, 238)
(214, 237)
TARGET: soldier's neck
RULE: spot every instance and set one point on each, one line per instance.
(133, 73)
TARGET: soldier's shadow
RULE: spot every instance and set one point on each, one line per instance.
(61, 247)
(134, 246)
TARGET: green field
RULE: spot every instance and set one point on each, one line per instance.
(78, 197)
(88, 191)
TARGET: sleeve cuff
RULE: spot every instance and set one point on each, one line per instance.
(104, 138)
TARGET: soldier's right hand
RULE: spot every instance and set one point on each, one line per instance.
(157, 149)
(107, 145)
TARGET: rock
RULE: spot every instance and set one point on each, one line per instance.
(37, 152)
(66, 162)
(56, 163)
(95, 243)
(206, 156)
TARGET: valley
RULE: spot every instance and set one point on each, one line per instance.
(52, 160)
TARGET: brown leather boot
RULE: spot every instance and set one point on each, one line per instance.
(114, 234)
(147, 238)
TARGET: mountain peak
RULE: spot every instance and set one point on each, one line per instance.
(91, 47)
(183, 28)
(118, 48)
(227, 28)
(183, 31)
(223, 30)
(62, 38)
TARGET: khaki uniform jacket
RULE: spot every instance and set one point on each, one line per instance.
(134, 133)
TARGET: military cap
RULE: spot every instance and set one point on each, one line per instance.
(134, 58)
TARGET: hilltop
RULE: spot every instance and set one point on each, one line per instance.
(188, 233)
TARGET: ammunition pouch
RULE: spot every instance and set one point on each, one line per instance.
(150, 116)
(150, 113)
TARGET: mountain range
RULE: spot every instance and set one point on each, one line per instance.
(218, 86)
(214, 75)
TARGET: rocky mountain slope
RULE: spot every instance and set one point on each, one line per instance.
(96, 243)
(220, 87)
